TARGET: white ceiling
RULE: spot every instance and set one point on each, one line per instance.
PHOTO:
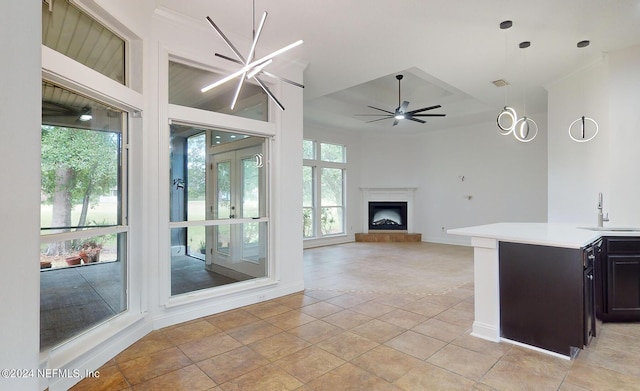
(448, 50)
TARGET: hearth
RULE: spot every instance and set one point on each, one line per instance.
(387, 215)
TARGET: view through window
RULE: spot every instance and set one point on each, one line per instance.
(323, 203)
(83, 232)
(218, 213)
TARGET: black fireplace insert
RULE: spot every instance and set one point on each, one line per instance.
(387, 215)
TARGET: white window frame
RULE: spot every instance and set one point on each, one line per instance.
(63, 71)
(317, 164)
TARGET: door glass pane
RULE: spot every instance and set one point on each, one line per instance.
(195, 183)
(224, 208)
(250, 188)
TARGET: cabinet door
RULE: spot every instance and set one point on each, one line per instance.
(624, 284)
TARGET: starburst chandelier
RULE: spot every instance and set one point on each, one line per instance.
(251, 68)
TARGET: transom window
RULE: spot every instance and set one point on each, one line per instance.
(67, 30)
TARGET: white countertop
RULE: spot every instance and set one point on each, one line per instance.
(544, 234)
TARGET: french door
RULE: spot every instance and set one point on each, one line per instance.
(238, 196)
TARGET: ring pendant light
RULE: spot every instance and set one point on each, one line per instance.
(525, 129)
(588, 128)
(507, 118)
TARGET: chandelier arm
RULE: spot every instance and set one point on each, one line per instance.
(268, 92)
(251, 65)
(256, 36)
(237, 94)
(226, 40)
(282, 79)
(229, 58)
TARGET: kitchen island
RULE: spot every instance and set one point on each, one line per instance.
(552, 244)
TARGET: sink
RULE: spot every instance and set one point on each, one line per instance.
(616, 229)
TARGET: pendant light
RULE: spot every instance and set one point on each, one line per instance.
(525, 129)
(251, 68)
(507, 118)
(584, 128)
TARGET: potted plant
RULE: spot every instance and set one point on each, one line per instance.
(73, 260)
(90, 251)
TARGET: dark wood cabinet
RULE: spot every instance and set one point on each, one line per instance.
(618, 291)
(544, 299)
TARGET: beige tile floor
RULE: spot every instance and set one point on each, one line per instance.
(385, 335)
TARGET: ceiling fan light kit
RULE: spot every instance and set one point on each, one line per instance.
(401, 113)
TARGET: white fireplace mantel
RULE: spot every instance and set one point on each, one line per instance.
(397, 194)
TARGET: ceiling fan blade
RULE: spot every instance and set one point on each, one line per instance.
(428, 115)
(386, 111)
(372, 115)
(379, 119)
(396, 121)
(417, 120)
(424, 109)
(403, 106)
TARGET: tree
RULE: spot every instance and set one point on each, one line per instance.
(78, 166)
(196, 166)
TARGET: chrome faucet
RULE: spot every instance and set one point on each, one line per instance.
(601, 218)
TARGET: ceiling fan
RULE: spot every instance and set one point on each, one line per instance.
(401, 112)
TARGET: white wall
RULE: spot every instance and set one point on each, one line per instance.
(609, 91)
(20, 103)
(506, 179)
(624, 118)
(578, 171)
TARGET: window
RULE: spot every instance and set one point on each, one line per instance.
(218, 213)
(83, 214)
(67, 30)
(323, 189)
(186, 81)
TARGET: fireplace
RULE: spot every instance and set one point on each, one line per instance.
(387, 215)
